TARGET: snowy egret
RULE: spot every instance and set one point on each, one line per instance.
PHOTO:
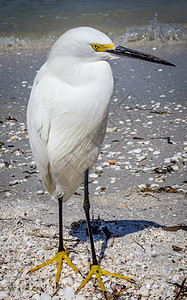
(67, 117)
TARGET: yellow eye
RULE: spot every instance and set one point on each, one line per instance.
(95, 46)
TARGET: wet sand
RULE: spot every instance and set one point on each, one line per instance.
(138, 181)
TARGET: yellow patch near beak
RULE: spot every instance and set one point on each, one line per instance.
(103, 48)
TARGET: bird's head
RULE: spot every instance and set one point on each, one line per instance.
(84, 43)
(89, 44)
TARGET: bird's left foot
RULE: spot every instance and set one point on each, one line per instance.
(98, 271)
(58, 258)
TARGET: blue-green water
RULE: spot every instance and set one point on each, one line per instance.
(41, 21)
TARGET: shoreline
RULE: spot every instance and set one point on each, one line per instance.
(166, 46)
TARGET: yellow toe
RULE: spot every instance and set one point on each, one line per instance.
(98, 271)
(58, 258)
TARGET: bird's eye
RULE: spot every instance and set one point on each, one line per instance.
(95, 46)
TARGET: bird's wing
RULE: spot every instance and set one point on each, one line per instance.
(59, 130)
(39, 123)
(66, 127)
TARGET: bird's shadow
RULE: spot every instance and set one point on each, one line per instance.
(104, 230)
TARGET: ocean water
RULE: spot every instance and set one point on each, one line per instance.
(40, 22)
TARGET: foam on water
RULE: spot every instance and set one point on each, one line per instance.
(16, 42)
(154, 31)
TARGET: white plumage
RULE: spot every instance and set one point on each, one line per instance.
(67, 116)
(68, 107)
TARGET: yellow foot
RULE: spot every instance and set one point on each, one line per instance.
(58, 258)
(95, 269)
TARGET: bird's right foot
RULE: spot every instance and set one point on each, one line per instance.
(98, 271)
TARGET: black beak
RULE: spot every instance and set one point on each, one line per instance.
(122, 51)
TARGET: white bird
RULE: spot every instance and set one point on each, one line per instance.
(67, 117)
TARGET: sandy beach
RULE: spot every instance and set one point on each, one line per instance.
(137, 186)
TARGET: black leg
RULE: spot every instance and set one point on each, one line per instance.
(86, 206)
(61, 247)
(62, 253)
